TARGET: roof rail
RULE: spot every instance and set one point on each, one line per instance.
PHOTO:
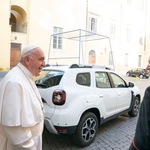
(74, 66)
(89, 66)
(80, 66)
(104, 67)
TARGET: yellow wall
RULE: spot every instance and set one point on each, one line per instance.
(4, 35)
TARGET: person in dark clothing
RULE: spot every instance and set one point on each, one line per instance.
(141, 140)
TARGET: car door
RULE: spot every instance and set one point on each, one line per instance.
(123, 93)
(133, 72)
(105, 93)
(136, 73)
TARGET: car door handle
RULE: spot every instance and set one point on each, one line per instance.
(101, 96)
(119, 95)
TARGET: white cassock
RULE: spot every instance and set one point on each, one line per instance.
(21, 111)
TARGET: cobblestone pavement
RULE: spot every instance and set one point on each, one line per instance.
(116, 134)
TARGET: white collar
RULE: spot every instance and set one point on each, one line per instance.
(26, 71)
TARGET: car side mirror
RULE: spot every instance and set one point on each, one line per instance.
(130, 84)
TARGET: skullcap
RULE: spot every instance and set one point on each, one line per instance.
(28, 48)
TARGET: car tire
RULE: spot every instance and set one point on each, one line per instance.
(141, 76)
(86, 130)
(135, 108)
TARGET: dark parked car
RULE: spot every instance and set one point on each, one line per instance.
(138, 72)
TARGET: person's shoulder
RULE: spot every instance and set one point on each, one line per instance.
(146, 98)
(148, 89)
(13, 75)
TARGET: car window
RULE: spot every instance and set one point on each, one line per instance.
(118, 81)
(102, 80)
(83, 79)
(134, 70)
(49, 78)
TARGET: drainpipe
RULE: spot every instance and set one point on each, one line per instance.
(9, 9)
(87, 5)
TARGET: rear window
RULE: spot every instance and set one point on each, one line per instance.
(48, 78)
(83, 79)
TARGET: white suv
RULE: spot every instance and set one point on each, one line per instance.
(78, 98)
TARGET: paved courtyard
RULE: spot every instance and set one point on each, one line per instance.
(116, 134)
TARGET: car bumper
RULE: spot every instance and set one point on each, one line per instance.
(49, 125)
(66, 130)
(59, 129)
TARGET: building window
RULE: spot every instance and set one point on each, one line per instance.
(128, 34)
(93, 24)
(141, 4)
(139, 60)
(126, 59)
(112, 30)
(128, 2)
(141, 39)
(110, 58)
(57, 39)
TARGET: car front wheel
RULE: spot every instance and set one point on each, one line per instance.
(135, 108)
(86, 130)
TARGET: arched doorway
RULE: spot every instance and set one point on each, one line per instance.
(18, 20)
(92, 57)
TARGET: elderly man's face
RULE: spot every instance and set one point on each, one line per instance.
(36, 62)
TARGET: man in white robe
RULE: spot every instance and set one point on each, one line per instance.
(21, 108)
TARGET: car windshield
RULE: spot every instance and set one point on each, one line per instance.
(48, 78)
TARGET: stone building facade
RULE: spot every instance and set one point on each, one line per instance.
(124, 22)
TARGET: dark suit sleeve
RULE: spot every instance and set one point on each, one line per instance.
(142, 133)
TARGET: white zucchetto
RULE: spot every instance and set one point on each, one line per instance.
(28, 48)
